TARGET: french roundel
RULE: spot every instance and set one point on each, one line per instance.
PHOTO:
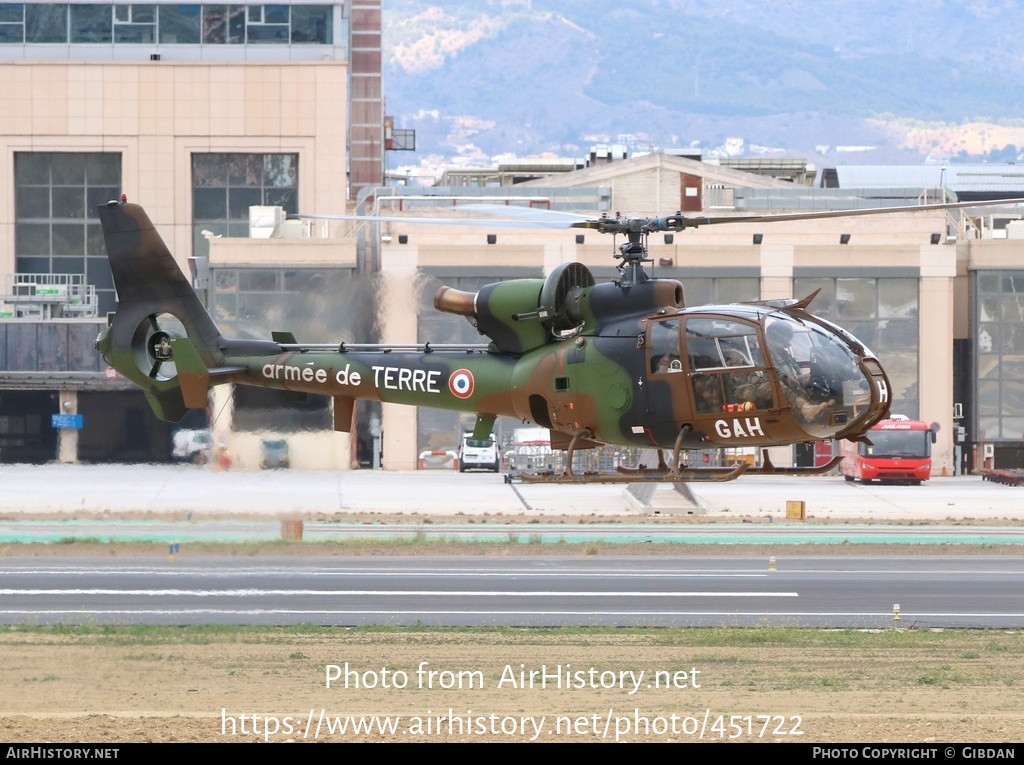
(461, 383)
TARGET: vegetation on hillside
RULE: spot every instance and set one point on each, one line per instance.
(552, 71)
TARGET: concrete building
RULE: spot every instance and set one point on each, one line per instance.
(195, 111)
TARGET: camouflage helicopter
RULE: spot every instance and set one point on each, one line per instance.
(623, 362)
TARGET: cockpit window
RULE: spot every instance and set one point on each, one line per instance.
(800, 348)
(664, 344)
(717, 343)
(818, 371)
(726, 366)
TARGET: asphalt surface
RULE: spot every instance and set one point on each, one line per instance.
(172, 502)
(838, 592)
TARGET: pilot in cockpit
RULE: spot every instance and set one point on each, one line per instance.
(779, 335)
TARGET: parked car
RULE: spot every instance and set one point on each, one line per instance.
(191, 446)
(274, 454)
(475, 454)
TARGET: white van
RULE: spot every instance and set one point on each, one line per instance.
(191, 446)
(479, 455)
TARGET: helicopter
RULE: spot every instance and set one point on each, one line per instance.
(622, 363)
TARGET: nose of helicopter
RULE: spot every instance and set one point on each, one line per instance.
(869, 410)
(834, 385)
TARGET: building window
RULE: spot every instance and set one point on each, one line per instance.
(223, 24)
(146, 23)
(46, 23)
(56, 223)
(135, 23)
(704, 290)
(999, 355)
(318, 305)
(268, 24)
(12, 23)
(225, 186)
(91, 24)
(180, 24)
(312, 24)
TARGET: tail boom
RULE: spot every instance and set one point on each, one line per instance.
(457, 381)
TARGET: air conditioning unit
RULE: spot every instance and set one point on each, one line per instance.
(264, 221)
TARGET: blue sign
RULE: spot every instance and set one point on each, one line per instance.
(72, 421)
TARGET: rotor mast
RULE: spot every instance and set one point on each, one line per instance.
(633, 252)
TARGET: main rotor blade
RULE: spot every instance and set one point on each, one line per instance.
(780, 217)
(539, 214)
(522, 223)
(524, 217)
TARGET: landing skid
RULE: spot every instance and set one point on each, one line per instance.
(664, 473)
(641, 474)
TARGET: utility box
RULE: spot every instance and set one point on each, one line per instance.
(265, 220)
(796, 509)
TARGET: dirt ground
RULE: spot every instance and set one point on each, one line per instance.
(131, 684)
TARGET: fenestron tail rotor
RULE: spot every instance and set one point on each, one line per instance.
(151, 346)
(157, 308)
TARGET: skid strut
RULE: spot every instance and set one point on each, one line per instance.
(663, 473)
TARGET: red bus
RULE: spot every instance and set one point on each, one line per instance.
(900, 451)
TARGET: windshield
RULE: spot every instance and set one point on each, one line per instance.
(897, 443)
(818, 371)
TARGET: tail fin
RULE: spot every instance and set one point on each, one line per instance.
(152, 293)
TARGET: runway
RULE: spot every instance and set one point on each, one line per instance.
(173, 502)
(843, 592)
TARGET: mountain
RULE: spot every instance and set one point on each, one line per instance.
(533, 76)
